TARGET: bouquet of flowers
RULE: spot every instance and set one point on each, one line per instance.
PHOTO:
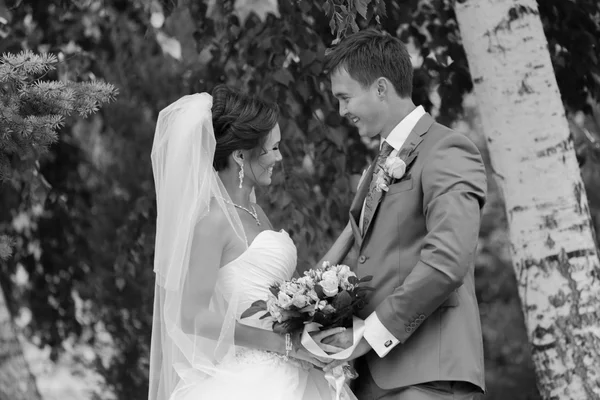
(329, 297)
(322, 299)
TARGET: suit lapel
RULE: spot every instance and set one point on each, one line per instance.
(406, 154)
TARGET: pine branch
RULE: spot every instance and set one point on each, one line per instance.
(90, 95)
(48, 98)
(12, 77)
(30, 63)
(32, 111)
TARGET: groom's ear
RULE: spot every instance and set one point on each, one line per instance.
(382, 86)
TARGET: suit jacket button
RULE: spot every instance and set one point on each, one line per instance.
(408, 329)
(413, 324)
(362, 259)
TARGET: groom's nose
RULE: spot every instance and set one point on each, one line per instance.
(343, 109)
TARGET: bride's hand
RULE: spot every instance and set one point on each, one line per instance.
(305, 355)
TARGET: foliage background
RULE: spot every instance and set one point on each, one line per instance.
(80, 283)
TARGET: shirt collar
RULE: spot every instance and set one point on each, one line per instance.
(400, 133)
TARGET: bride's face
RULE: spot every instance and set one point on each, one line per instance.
(259, 170)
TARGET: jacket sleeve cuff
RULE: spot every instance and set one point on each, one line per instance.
(377, 335)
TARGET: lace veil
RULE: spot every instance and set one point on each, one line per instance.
(188, 192)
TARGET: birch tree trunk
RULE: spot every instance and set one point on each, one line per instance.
(16, 381)
(552, 240)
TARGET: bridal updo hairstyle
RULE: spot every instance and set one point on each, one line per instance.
(240, 122)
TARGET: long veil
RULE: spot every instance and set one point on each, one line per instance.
(188, 190)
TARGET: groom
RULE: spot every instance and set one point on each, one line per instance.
(415, 220)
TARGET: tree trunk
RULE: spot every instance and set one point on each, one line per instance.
(532, 155)
(16, 381)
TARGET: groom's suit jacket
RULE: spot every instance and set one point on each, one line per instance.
(420, 248)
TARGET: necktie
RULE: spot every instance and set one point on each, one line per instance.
(374, 194)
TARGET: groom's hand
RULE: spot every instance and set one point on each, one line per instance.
(341, 340)
(320, 336)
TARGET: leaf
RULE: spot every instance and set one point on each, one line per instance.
(320, 292)
(289, 326)
(353, 280)
(341, 21)
(327, 8)
(157, 19)
(39, 187)
(342, 319)
(362, 291)
(361, 7)
(291, 314)
(285, 200)
(258, 305)
(321, 318)
(298, 217)
(366, 278)
(336, 137)
(265, 315)
(342, 300)
(309, 308)
(274, 290)
(283, 76)
(380, 9)
(306, 57)
(169, 45)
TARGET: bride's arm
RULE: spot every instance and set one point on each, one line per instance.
(339, 250)
(206, 258)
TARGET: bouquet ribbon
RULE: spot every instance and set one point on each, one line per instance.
(336, 377)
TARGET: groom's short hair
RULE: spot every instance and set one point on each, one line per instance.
(369, 54)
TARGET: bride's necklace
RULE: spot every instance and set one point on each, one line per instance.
(252, 212)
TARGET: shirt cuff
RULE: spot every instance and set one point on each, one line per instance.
(377, 335)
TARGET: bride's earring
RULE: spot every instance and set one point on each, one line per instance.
(241, 175)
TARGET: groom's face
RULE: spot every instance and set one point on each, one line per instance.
(360, 105)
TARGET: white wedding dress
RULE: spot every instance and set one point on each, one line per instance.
(254, 374)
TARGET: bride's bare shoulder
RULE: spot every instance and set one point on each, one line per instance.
(215, 220)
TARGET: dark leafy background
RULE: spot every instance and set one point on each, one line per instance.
(88, 251)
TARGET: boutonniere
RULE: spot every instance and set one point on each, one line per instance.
(396, 166)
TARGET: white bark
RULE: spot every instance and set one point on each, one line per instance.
(16, 380)
(553, 249)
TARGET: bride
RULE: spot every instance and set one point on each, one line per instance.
(216, 253)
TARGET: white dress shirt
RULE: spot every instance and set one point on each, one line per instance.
(376, 334)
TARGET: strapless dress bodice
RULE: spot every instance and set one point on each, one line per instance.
(270, 258)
